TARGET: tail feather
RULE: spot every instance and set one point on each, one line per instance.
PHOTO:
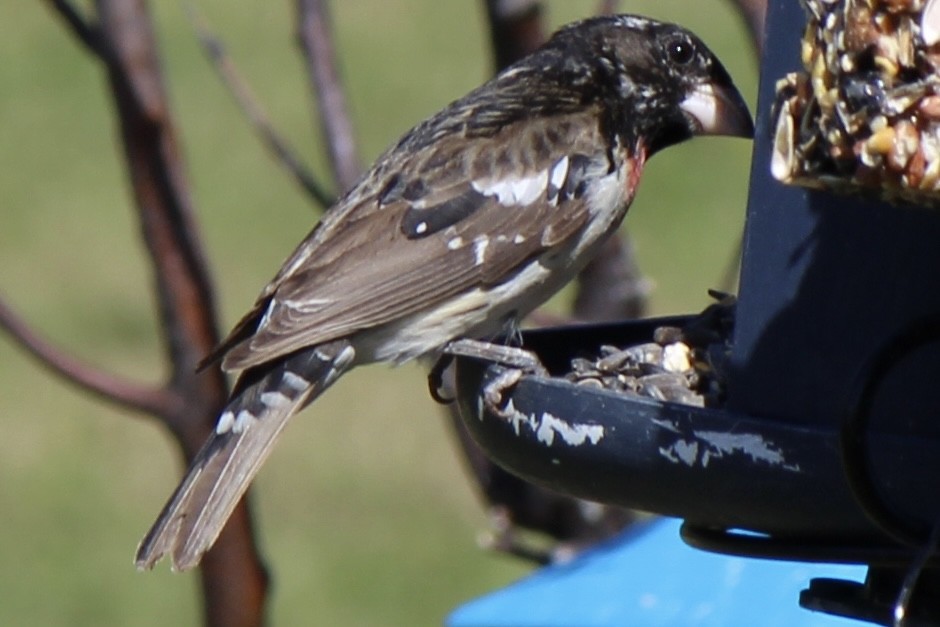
(244, 436)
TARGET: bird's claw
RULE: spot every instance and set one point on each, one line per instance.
(520, 362)
(494, 390)
(510, 356)
(436, 384)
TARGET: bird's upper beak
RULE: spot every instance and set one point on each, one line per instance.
(717, 108)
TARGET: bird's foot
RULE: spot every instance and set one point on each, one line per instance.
(511, 356)
(520, 362)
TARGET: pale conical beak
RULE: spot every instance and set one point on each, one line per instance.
(715, 109)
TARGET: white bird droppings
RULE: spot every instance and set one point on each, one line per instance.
(572, 434)
(548, 426)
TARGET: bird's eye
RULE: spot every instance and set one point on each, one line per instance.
(680, 51)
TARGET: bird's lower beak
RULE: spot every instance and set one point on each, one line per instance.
(718, 110)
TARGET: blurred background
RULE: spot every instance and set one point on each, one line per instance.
(364, 512)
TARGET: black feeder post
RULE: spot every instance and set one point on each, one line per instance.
(827, 445)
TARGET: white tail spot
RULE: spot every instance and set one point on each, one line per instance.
(340, 363)
(243, 421)
(274, 399)
(226, 420)
(295, 382)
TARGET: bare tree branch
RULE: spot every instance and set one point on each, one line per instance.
(128, 394)
(80, 26)
(260, 122)
(608, 7)
(233, 576)
(516, 29)
(611, 287)
(159, 184)
(753, 13)
(316, 39)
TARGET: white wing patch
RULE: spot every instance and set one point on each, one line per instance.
(479, 248)
(560, 172)
(267, 314)
(526, 190)
(512, 191)
(306, 305)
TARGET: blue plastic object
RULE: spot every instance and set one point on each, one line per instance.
(648, 578)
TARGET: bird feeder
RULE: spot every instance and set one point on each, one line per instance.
(824, 442)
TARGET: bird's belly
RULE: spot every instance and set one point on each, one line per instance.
(481, 313)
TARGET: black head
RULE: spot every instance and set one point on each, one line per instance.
(654, 79)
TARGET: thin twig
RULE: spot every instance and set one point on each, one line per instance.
(112, 388)
(316, 40)
(260, 122)
(80, 26)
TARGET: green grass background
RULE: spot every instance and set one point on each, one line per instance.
(364, 512)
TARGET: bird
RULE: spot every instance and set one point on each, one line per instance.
(476, 216)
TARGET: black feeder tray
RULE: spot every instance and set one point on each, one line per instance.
(827, 448)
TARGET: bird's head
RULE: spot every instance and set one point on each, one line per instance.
(652, 78)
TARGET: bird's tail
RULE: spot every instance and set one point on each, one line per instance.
(261, 404)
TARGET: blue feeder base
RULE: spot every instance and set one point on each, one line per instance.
(648, 578)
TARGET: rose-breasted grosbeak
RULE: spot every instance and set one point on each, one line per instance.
(475, 217)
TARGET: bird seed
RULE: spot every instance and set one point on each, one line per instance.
(685, 365)
(865, 112)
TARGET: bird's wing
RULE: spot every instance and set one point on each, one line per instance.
(454, 219)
